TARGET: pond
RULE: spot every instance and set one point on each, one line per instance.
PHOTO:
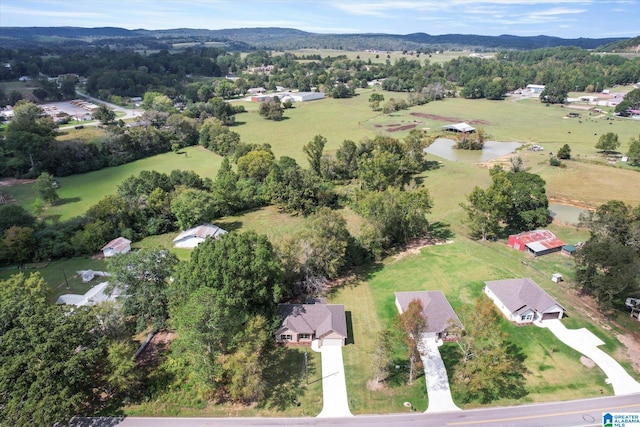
(445, 148)
(565, 213)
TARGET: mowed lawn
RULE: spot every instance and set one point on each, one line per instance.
(79, 192)
(459, 269)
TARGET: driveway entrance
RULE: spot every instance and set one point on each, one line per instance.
(436, 375)
(335, 402)
(587, 343)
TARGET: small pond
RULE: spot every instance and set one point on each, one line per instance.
(565, 213)
(445, 148)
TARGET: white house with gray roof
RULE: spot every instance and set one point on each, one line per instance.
(435, 306)
(304, 323)
(523, 300)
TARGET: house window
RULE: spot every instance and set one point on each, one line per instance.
(527, 317)
(284, 337)
(304, 336)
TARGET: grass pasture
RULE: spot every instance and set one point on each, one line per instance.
(79, 192)
(380, 57)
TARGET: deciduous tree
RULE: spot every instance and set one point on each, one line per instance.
(608, 142)
(144, 276)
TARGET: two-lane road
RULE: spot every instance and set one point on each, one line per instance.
(575, 413)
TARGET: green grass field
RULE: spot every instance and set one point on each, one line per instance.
(79, 192)
(382, 56)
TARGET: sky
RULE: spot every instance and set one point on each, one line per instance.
(560, 18)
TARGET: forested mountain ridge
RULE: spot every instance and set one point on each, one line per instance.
(283, 38)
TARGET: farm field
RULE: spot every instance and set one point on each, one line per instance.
(393, 56)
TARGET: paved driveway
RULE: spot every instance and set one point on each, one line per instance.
(436, 375)
(587, 343)
(335, 402)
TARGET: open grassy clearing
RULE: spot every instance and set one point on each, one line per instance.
(79, 192)
(23, 88)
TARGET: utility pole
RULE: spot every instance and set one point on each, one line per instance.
(65, 278)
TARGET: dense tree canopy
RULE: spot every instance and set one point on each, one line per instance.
(51, 357)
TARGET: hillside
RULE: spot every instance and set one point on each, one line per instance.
(280, 38)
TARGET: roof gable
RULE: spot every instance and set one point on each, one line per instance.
(435, 306)
(518, 295)
(318, 318)
(201, 231)
(117, 244)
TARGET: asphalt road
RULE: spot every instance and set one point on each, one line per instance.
(575, 413)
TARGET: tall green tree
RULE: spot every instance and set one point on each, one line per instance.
(608, 142)
(313, 149)
(398, 216)
(413, 324)
(45, 187)
(193, 207)
(144, 277)
(634, 151)
(105, 114)
(490, 368)
(30, 137)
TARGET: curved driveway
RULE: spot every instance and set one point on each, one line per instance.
(587, 343)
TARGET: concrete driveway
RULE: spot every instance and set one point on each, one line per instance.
(587, 343)
(436, 375)
(335, 402)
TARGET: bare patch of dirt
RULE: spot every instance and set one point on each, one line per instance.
(632, 345)
(449, 119)
(397, 128)
(374, 385)
(158, 344)
(413, 248)
(9, 182)
(587, 362)
(569, 202)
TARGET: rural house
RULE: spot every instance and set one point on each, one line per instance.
(435, 306)
(93, 296)
(120, 245)
(523, 300)
(303, 323)
(537, 242)
(194, 236)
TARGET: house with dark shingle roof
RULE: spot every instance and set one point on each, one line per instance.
(304, 323)
(435, 306)
(523, 300)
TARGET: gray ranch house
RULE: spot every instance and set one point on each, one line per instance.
(523, 300)
(439, 313)
(317, 320)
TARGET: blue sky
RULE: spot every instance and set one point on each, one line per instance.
(562, 18)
